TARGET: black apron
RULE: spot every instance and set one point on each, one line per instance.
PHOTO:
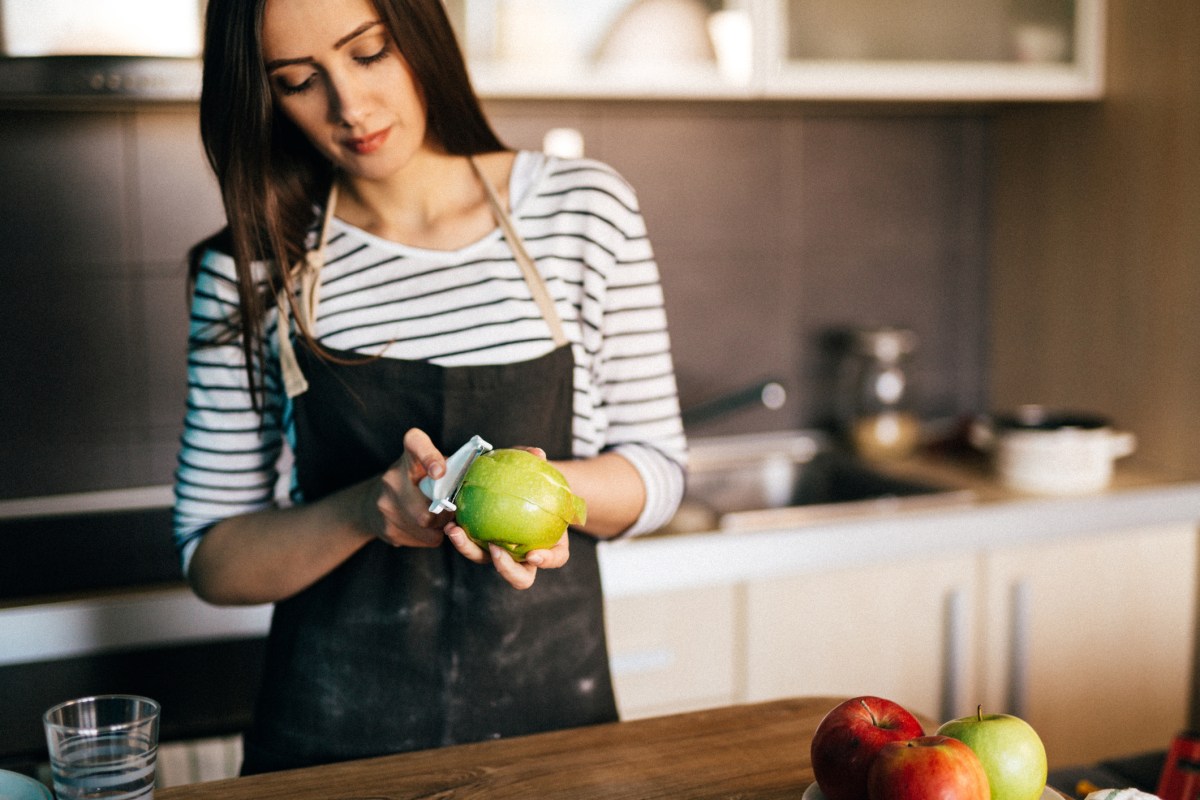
(407, 648)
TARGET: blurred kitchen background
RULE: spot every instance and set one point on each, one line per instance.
(1038, 230)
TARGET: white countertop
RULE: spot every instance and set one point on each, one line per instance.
(682, 561)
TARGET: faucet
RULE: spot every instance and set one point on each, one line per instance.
(769, 393)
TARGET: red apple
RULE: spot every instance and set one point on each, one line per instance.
(927, 768)
(848, 739)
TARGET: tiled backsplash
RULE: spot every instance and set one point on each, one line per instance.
(771, 226)
(96, 211)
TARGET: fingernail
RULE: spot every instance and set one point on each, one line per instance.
(436, 470)
(536, 559)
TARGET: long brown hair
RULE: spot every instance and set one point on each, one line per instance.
(271, 177)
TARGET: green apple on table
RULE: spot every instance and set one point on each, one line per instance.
(1010, 750)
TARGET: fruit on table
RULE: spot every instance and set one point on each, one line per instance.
(848, 739)
(1010, 750)
(517, 500)
(927, 768)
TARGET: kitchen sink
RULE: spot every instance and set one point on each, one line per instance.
(783, 479)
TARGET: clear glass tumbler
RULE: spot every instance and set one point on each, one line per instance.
(104, 746)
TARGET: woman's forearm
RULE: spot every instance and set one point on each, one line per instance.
(612, 488)
(269, 555)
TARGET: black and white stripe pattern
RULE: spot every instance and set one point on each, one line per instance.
(581, 224)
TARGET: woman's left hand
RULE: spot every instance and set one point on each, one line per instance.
(520, 574)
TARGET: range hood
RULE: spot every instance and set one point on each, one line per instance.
(129, 49)
(91, 78)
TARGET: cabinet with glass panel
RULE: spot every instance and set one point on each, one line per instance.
(918, 50)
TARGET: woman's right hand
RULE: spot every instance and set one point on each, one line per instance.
(267, 555)
(403, 510)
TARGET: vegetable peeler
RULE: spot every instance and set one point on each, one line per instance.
(443, 490)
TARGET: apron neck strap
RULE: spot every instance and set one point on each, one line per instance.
(308, 273)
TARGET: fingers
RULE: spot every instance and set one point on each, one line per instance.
(403, 509)
(464, 544)
(424, 458)
(519, 574)
(551, 558)
(402, 526)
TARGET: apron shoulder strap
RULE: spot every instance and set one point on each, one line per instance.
(308, 272)
(533, 278)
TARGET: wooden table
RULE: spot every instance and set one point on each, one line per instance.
(751, 751)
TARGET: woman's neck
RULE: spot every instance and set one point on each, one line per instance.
(435, 202)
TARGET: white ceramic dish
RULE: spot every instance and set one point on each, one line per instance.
(813, 793)
(15, 786)
(1042, 450)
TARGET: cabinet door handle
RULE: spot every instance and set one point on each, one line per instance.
(955, 638)
(1017, 700)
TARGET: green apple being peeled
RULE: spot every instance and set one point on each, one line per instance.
(516, 500)
(1010, 750)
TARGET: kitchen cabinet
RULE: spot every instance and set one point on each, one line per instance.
(1090, 639)
(1088, 636)
(934, 49)
(901, 630)
(854, 50)
(676, 651)
(607, 48)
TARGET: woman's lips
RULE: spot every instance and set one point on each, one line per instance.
(365, 145)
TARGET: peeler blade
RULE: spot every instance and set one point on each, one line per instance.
(443, 490)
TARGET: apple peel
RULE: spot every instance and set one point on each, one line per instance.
(545, 487)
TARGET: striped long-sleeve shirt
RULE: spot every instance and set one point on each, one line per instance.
(581, 224)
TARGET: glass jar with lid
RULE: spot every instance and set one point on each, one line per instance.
(876, 411)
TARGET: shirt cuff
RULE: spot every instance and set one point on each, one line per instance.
(663, 479)
(186, 552)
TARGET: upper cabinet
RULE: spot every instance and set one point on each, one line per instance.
(610, 48)
(855, 50)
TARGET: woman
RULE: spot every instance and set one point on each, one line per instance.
(392, 281)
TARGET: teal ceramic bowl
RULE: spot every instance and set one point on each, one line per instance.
(15, 786)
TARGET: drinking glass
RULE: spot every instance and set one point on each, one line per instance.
(103, 747)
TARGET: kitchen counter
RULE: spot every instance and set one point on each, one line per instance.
(982, 516)
(759, 751)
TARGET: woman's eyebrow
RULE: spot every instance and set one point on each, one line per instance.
(354, 34)
(338, 45)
